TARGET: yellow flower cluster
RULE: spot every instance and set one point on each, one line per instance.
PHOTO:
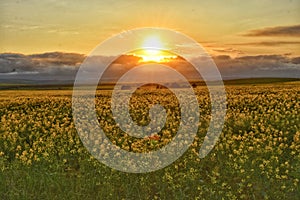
(260, 140)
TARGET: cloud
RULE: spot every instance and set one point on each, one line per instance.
(12, 62)
(296, 60)
(63, 32)
(290, 31)
(57, 66)
(58, 58)
(228, 50)
(258, 66)
(268, 43)
(222, 57)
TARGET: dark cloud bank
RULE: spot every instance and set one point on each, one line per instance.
(53, 67)
(58, 68)
(258, 66)
(282, 31)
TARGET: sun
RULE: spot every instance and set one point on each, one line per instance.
(153, 50)
(155, 55)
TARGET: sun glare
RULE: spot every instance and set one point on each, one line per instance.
(153, 42)
(153, 51)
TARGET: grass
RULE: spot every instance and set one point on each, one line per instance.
(260, 81)
(110, 86)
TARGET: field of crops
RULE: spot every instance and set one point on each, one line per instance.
(256, 157)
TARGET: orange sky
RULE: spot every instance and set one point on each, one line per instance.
(234, 28)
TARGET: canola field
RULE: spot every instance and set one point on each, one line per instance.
(256, 157)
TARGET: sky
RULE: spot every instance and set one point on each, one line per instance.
(262, 34)
(33, 26)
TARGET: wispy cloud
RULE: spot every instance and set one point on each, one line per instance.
(228, 50)
(268, 43)
(290, 31)
(46, 28)
(22, 27)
